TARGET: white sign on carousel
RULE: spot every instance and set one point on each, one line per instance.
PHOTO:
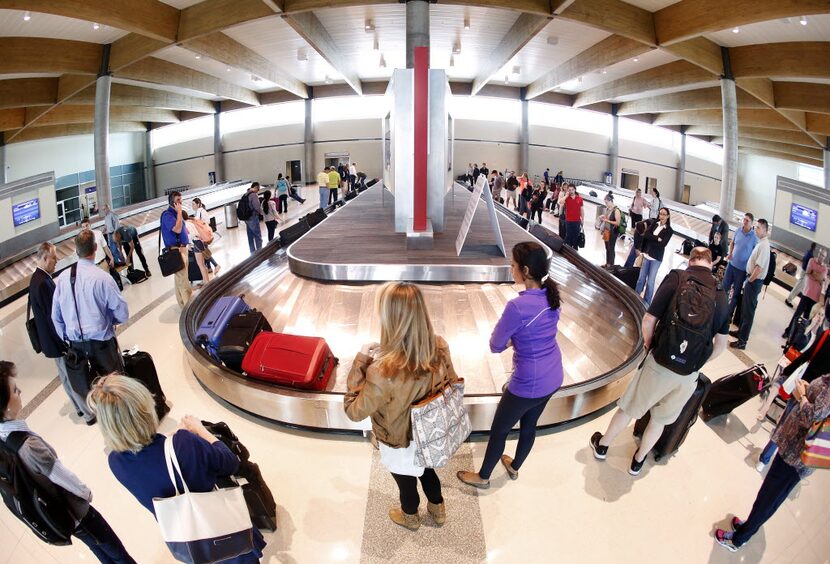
(478, 192)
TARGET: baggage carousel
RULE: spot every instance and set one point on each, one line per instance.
(599, 334)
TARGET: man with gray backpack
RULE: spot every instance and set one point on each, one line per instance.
(685, 326)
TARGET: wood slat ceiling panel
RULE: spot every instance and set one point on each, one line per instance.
(187, 58)
(646, 61)
(775, 31)
(55, 27)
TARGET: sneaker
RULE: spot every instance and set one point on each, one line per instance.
(636, 466)
(760, 466)
(599, 450)
(724, 539)
(736, 522)
(740, 345)
(734, 333)
(789, 303)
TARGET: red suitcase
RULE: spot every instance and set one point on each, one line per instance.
(290, 360)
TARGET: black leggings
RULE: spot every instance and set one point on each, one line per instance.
(408, 486)
(511, 410)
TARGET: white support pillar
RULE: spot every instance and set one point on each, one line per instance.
(827, 165)
(3, 162)
(218, 154)
(309, 169)
(524, 139)
(729, 175)
(614, 145)
(101, 140)
(149, 169)
(681, 165)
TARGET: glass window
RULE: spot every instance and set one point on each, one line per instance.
(551, 115)
(66, 193)
(65, 181)
(485, 108)
(348, 107)
(189, 130)
(703, 150)
(647, 134)
(811, 175)
(262, 116)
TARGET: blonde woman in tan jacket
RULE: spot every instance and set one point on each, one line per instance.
(384, 382)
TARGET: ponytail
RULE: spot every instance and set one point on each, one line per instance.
(532, 255)
(552, 292)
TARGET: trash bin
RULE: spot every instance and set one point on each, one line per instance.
(609, 177)
(230, 216)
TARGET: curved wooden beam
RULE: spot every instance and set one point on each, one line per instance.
(789, 60)
(782, 156)
(703, 99)
(805, 96)
(37, 54)
(778, 147)
(753, 118)
(49, 131)
(22, 92)
(762, 133)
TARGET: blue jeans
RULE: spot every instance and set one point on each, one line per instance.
(733, 281)
(116, 252)
(648, 277)
(748, 305)
(95, 532)
(778, 483)
(632, 256)
(254, 234)
(324, 196)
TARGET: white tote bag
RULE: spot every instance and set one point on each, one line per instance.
(202, 527)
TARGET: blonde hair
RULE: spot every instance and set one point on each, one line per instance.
(126, 412)
(407, 340)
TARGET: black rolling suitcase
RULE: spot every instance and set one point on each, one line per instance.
(731, 391)
(194, 273)
(628, 274)
(674, 434)
(140, 365)
(258, 497)
(238, 336)
(562, 223)
(315, 218)
(555, 243)
(293, 232)
(136, 276)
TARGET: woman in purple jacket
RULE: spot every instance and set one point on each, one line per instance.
(529, 325)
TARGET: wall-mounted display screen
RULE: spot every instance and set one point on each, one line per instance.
(24, 212)
(803, 217)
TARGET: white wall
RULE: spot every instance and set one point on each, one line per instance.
(69, 155)
(183, 164)
(48, 212)
(757, 182)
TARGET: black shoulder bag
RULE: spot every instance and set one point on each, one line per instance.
(31, 327)
(78, 367)
(170, 258)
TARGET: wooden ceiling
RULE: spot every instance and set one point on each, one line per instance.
(657, 61)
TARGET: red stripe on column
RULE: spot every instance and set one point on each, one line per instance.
(421, 113)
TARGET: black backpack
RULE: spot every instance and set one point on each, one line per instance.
(771, 270)
(683, 339)
(243, 208)
(687, 247)
(47, 517)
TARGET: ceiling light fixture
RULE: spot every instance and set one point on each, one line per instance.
(328, 79)
(452, 60)
(506, 79)
(369, 25)
(255, 78)
(382, 61)
(636, 59)
(27, 16)
(376, 45)
(198, 56)
(467, 22)
(736, 30)
(517, 69)
(95, 26)
(227, 69)
(302, 55)
(553, 40)
(603, 71)
(456, 49)
(803, 20)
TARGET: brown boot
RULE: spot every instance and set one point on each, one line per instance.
(473, 479)
(507, 462)
(411, 522)
(438, 512)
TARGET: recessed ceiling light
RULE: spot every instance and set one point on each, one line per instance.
(803, 20)
(456, 49)
(382, 62)
(198, 56)
(636, 59)
(27, 16)
(736, 30)
(452, 60)
(95, 26)
(302, 55)
(376, 45)
(227, 69)
(467, 22)
(553, 40)
(369, 25)
(603, 71)
(328, 79)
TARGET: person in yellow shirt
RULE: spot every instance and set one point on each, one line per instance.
(334, 182)
(323, 185)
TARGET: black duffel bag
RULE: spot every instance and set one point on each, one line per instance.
(170, 258)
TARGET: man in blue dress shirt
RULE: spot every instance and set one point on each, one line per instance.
(86, 319)
(174, 234)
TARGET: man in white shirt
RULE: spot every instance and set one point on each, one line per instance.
(352, 175)
(756, 269)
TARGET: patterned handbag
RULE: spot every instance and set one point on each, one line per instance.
(816, 453)
(439, 424)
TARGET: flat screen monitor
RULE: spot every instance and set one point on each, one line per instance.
(24, 212)
(803, 217)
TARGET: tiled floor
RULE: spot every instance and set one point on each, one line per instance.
(565, 507)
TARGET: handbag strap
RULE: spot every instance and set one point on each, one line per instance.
(820, 344)
(73, 272)
(173, 462)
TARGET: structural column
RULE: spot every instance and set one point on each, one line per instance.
(101, 132)
(681, 165)
(826, 164)
(417, 28)
(3, 160)
(524, 137)
(149, 169)
(729, 98)
(218, 154)
(614, 145)
(308, 146)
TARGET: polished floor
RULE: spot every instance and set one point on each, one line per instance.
(331, 491)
